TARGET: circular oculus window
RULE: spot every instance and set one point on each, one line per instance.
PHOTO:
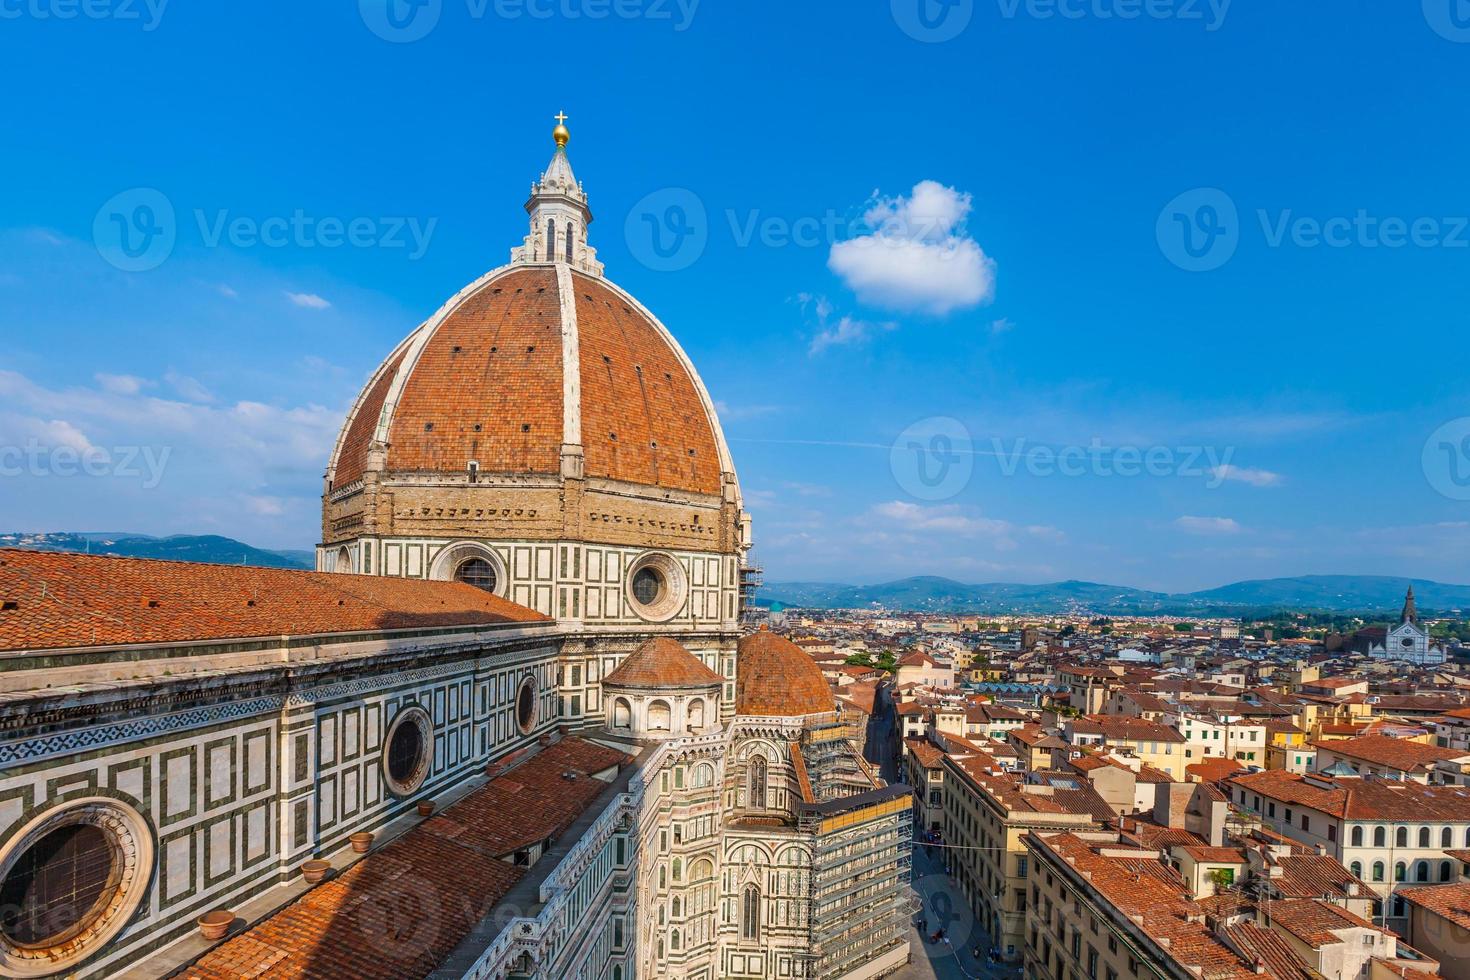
(656, 587)
(69, 882)
(408, 751)
(526, 704)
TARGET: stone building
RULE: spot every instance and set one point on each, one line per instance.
(512, 714)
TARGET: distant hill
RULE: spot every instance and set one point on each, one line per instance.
(1310, 593)
(210, 548)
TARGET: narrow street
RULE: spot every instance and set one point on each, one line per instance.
(942, 903)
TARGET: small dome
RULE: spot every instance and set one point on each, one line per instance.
(775, 677)
(662, 663)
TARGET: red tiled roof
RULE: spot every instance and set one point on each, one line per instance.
(1126, 728)
(1314, 922)
(1450, 901)
(71, 600)
(399, 911)
(662, 663)
(1360, 799)
(1395, 753)
(488, 386)
(1271, 949)
(1314, 876)
(775, 678)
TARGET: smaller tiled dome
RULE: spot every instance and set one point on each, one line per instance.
(775, 677)
(662, 663)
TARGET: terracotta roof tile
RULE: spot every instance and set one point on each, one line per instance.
(662, 663)
(71, 600)
(774, 677)
(399, 911)
(1450, 901)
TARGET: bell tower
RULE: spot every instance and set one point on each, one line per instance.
(559, 214)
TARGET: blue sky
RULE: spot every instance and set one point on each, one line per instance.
(962, 234)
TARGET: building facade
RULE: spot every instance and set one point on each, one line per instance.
(509, 728)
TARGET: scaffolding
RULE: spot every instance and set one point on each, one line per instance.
(752, 577)
(861, 872)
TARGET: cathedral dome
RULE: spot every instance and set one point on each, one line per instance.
(528, 365)
(775, 677)
(662, 663)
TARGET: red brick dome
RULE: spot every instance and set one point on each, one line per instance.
(775, 677)
(528, 363)
(662, 663)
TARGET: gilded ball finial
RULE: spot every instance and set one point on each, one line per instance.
(561, 134)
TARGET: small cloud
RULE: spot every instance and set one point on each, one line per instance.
(121, 384)
(847, 330)
(1208, 525)
(1243, 474)
(1003, 325)
(188, 388)
(227, 292)
(808, 489)
(310, 301)
(733, 413)
(263, 506)
(918, 256)
(943, 517)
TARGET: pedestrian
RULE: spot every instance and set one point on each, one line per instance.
(923, 924)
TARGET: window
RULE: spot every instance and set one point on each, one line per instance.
(1401, 837)
(659, 716)
(1020, 867)
(569, 243)
(550, 239)
(477, 572)
(1380, 837)
(1421, 870)
(526, 704)
(647, 584)
(1446, 838)
(1356, 837)
(1377, 870)
(1400, 871)
(1356, 868)
(1306, 824)
(1445, 871)
(750, 917)
(1423, 836)
(756, 789)
(74, 878)
(1332, 832)
(408, 750)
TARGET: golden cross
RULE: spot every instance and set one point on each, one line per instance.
(561, 117)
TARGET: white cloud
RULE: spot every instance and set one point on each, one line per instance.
(1209, 525)
(1244, 474)
(918, 256)
(1003, 325)
(188, 388)
(120, 384)
(263, 506)
(310, 301)
(20, 431)
(847, 330)
(227, 291)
